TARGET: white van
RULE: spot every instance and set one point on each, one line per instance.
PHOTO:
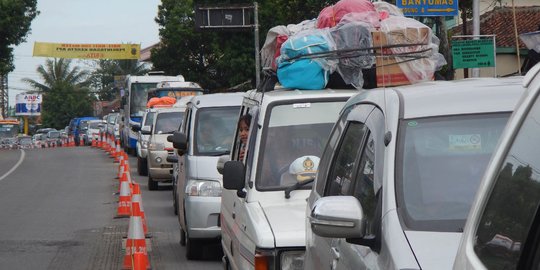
(166, 121)
(503, 227)
(142, 141)
(267, 181)
(400, 171)
(205, 135)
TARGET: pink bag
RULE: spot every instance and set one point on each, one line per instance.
(331, 15)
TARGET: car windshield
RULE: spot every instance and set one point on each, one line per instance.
(168, 122)
(138, 98)
(111, 119)
(440, 163)
(214, 130)
(94, 125)
(25, 140)
(54, 134)
(294, 130)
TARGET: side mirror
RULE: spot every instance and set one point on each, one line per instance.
(170, 138)
(221, 163)
(233, 175)
(337, 217)
(146, 130)
(179, 141)
(172, 159)
(136, 128)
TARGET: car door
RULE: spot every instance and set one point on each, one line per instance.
(182, 165)
(365, 186)
(336, 172)
(234, 211)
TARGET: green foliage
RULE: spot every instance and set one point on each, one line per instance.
(15, 19)
(64, 102)
(65, 92)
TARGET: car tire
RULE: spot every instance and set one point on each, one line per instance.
(142, 166)
(182, 237)
(152, 185)
(193, 248)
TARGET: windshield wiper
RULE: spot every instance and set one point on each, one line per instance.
(219, 153)
(296, 186)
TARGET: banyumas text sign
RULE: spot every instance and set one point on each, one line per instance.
(87, 51)
(428, 7)
(473, 53)
(28, 104)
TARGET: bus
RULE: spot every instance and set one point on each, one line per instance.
(175, 90)
(9, 128)
(134, 104)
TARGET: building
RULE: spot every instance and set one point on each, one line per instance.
(498, 21)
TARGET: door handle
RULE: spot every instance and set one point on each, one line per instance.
(233, 215)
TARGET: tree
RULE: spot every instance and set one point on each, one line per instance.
(15, 20)
(65, 92)
(102, 78)
(219, 59)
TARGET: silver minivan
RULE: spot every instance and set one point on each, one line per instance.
(142, 141)
(400, 171)
(205, 135)
(503, 227)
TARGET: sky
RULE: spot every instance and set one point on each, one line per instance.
(82, 21)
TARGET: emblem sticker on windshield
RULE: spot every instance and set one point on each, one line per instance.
(465, 142)
(301, 105)
(412, 124)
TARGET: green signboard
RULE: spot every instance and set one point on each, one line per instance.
(473, 53)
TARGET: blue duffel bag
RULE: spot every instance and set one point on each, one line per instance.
(303, 73)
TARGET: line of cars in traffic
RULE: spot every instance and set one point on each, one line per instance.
(373, 179)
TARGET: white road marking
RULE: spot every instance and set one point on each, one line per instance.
(14, 167)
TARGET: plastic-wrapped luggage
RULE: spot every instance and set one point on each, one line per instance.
(297, 72)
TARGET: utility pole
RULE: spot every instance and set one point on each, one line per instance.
(4, 95)
(476, 30)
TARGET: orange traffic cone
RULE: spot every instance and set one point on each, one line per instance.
(140, 261)
(137, 207)
(135, 244)
(124, 201)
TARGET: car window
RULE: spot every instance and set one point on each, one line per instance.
(441, 161)
(293, 131)
(341, 174)
(514, 200)
(364, 188)
(168, 122)
(214, 130)
(149, 120)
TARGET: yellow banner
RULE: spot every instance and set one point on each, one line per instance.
(87, 51)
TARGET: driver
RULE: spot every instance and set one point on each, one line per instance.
(211, 136)
(301, 169)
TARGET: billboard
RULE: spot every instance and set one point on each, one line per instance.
(28, 104)
(87, 51)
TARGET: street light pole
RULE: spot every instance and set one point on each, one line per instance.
(476, 31)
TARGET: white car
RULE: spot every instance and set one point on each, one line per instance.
(142, 141)
(279, 139)
(503, 229)
(400, 171)
(205, 135)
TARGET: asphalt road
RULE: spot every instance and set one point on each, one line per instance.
(57, 210)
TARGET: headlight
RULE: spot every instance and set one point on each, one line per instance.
(292, 260)
(203, 188)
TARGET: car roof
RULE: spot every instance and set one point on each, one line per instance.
(217, 100)
(437, 98)
(286, 94)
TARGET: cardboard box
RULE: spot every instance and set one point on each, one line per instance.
(388, 70)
